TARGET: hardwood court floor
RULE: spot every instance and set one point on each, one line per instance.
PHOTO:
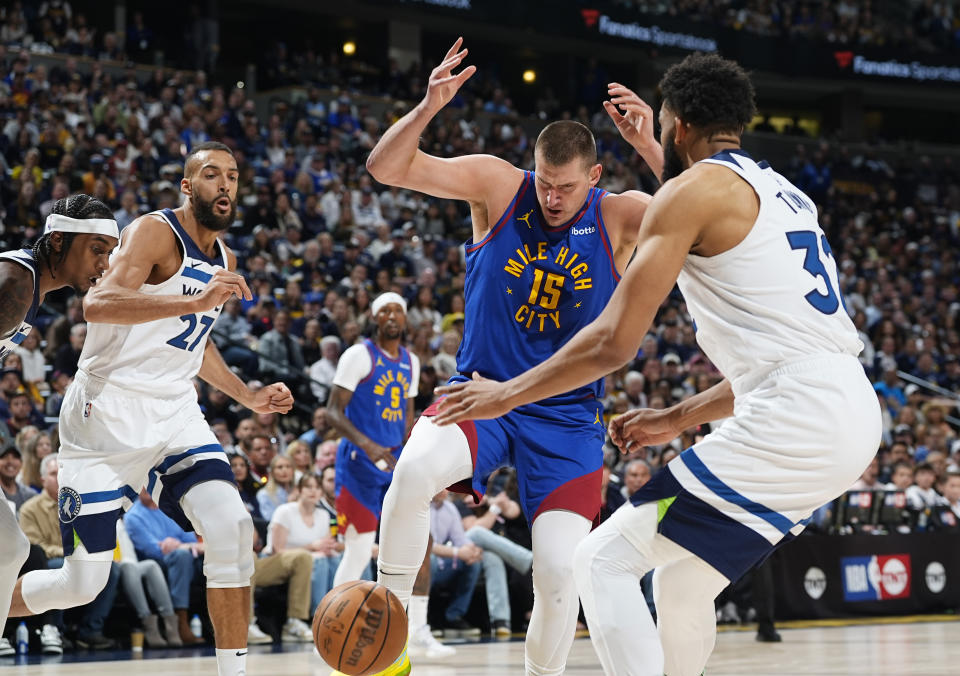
(918, 649)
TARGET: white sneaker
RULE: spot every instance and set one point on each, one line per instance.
(255, 635)
(296, 631)
(6, 650)
(423, 644)
(50, 640)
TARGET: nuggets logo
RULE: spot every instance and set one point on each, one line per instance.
(68, 504)
(86, 409)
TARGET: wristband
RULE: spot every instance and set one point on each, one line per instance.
(495, 509)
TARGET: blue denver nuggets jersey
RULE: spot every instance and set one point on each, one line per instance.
(378, 407)
(529, 288)
(25, 258)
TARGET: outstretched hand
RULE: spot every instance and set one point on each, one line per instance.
(636, 123)
(642, 427)
(443, 84)
(477, 399)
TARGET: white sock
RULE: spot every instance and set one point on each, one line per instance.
(232, 662)
(417, 612)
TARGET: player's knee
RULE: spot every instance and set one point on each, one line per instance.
(552, 576)
(412, 484)
(228, 557)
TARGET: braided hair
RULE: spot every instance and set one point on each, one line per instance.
(75, 206)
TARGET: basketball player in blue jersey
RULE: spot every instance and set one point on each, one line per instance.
(760, 282)
(131, 418)
(547, 251)
(73, 251)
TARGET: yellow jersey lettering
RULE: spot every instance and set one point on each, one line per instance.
(391, 414)
(572, 259)
(585, 283)
(514, 268)
(562, 255)
(521, 314)
(579, 270)
(541, 251)
(525, 259)
(555, 316)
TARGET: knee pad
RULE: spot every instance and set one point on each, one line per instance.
(215, 510)
(228, 558)
(76, 584)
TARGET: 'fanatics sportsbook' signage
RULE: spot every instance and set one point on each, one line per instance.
(650, 34)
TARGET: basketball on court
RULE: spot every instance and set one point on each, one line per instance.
(360, 628)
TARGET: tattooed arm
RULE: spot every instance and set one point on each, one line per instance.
(16, 295)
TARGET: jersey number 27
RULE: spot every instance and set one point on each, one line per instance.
(180, 341)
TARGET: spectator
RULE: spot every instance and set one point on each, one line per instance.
(138, 576)
(868, 481)
(246, 484)
(69, 354)
(635, 474)
(158, 537)
(922, 495)
(280, 355)
(261, 454)
(280, 487)
(33, 451)
(301, 457)
(10, 465)
(292, 567)
(304, 525)
(319, 427)
(322, 372)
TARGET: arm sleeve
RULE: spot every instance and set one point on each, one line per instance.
(354, 366)
(414, 376)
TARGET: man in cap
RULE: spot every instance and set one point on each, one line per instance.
(73, 251)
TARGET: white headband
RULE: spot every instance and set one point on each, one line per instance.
(93, 226)
(384, 299)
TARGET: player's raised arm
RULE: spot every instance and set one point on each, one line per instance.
(396, 159)
(149, 247)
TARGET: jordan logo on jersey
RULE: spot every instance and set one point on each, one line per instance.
(526, 219)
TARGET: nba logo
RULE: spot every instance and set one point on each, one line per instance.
(86, 409)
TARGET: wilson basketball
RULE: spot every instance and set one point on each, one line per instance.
(360, 628)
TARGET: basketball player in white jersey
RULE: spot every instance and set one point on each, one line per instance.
(73, 251)
(760, 281)
(131, 417)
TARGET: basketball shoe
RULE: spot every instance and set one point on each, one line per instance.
(400, 667)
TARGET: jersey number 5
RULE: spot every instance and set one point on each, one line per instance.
(828, 302)
(180, 341)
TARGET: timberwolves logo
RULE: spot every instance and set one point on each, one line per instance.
(69, 503)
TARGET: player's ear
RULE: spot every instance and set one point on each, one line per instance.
(186, 187)
(56, 241)
(594, 174)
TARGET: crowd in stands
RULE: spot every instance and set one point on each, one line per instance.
(927, 25)
(317, 240)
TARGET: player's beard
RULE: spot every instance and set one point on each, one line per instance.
(205, 215)
(391, 332)
(672, 162)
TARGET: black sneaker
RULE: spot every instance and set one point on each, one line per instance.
(768, 635)
(96, 642)
(459, 628)
(500, 629)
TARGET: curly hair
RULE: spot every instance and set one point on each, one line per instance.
(75, 206)
(709, 92)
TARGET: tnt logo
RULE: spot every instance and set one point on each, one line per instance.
(590, 17)
(876, 578)
(844, 59)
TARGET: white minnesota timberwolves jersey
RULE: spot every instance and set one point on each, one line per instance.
(25, 258)
(158, 358)
(774, 297)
